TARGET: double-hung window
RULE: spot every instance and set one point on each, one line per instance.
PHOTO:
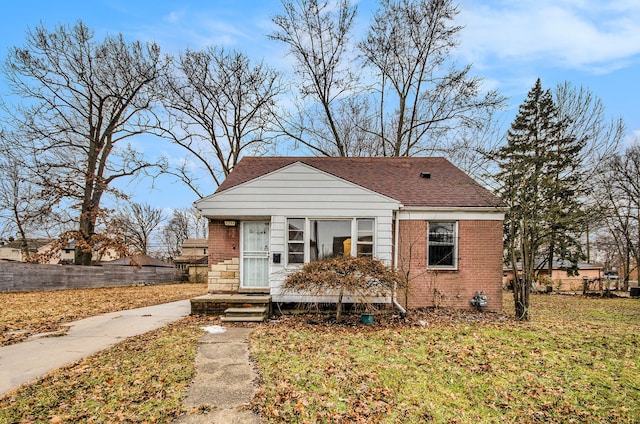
(295, 240)
(325, 238)
(365, 237)
(442, 242)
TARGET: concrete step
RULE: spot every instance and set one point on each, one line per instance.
(247, 314)
(243, 319)
(246, 311)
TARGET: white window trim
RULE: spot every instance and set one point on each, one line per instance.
(456, 242)
(305, 255)
(307, 236)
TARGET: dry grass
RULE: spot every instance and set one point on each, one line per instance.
(27, 313)
(142, 380)
(578, 360)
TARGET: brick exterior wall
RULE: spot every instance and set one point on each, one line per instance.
(224, 242)
(224, 257)
(479, 266)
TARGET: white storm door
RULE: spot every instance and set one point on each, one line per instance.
(255, 254)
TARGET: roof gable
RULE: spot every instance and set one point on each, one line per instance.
(296, 188)
(395, 178)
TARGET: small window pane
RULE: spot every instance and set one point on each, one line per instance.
(296, 253)
(365, 250)
(365, 225)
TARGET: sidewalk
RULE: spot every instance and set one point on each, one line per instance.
(224, 381)
(24, 362)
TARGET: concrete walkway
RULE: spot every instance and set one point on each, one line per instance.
(224, 382)
(24, 362)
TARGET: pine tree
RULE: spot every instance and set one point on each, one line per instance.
(537, 177)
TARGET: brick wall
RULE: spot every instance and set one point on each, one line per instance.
(224, 257)
(224, 242)
(35, 277)
(479, 266)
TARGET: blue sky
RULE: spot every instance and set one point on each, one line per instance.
(592, 43)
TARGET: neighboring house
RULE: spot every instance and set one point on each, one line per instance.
(66, 255)
(11, 251)
(560, 280)
(422, 215)
(194, 259)
(137, 260)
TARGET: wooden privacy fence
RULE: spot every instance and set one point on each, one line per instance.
(32, 277)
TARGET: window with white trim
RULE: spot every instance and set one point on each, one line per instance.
(295, 240)
(313, 239)
(442, 245)
(365, 237)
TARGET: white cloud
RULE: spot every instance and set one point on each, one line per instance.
(175, 16)
(631, 139)
(573, 34)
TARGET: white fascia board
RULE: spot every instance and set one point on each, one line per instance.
(451, 213)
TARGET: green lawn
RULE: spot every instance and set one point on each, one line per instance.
(577, 361)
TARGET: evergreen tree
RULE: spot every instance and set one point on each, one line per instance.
(538, 183)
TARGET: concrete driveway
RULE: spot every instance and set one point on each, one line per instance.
(24, 362)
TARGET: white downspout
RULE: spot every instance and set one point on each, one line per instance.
(396, 238)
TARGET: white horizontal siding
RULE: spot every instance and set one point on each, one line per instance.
(297, 190)
(383, 248)
(300, 191)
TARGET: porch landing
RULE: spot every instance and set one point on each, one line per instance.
(219, 304)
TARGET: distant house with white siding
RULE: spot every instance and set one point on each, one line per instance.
(423, 215)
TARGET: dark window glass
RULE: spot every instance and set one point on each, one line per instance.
(442, 246)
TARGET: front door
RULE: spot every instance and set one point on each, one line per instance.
(255, 255)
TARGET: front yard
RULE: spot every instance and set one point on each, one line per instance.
(577, 361)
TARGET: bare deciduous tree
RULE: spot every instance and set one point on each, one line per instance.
(409, 100)
(176, 232)
(82, 98)
(136, 223)
(619, 188)
(22, 208)
(422, 97)
(586, 120)
(219, 107)
(317, 34)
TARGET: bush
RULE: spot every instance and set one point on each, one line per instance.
(363, 278)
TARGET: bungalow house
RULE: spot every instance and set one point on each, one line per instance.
(421, 215)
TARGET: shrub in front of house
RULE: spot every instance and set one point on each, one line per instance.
(364, 279)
